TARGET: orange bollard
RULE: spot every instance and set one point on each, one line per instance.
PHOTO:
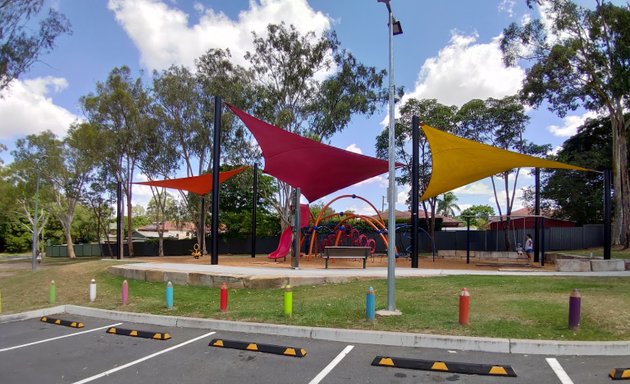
(464, 307)
(223, 297)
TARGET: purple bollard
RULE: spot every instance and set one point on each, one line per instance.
(125, 292)
(574, 309)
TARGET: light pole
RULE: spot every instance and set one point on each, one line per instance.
(394, 29)
(36, 214)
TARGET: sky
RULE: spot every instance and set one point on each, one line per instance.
(448, 51)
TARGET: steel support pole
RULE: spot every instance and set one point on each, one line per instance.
(607, 214)
(537, 215)
(391, 223)
(254, 208)
(216, 158)
(415, 142)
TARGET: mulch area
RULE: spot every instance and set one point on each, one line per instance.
(261, 261)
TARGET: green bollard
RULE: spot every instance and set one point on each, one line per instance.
(288, 301)
(52, 292)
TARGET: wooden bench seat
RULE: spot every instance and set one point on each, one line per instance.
(346, 252)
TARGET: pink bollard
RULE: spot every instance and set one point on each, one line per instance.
(125, 292)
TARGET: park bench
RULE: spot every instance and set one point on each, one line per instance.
(346, 252)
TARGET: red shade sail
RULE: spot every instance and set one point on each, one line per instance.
(317, 169)
(200, 185)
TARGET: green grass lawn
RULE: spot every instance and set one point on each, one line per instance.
(510, 307)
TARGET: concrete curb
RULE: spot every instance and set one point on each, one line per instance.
(396, 339)
(415, 340)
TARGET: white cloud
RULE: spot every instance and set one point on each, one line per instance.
(380, 181)
(570, 124)
(354, 148)
(465, 70)
(27, 108)
(477, 188)
(507, 6)
(403, 193)
(164, 35)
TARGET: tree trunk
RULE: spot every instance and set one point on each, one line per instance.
(161, 240)
(69, 242)
(621, 184)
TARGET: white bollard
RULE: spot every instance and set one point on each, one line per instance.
(92, 290)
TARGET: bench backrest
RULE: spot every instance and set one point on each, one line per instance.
(347, 251)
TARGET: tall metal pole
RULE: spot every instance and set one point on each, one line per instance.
(254, 206)
(415, 140)
(36, 221)
(537, 214)
(391, 223)
(216, 156)
(119, 222)
(296, 228)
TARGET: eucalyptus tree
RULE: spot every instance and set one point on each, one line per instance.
(431, 113)
(27, 175)
(66, 167)
(184, 108)
(19, 46)
(309, 85)
(580, 58)
(120, 110)
(500, 123)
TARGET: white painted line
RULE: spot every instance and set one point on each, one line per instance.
(559, 371)
(332, 365)
(58, 337)
(106, 373)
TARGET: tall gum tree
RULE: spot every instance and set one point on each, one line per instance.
(120, 111)
(581, 58)
(307, 84)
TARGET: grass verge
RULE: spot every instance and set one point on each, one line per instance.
(509, 307)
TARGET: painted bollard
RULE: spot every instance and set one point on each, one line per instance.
(223, 300)
(370, 304)
(124, 294)
(288, 301)
(464, 307)
(92, 290)
(574, 309)
(52, 292)
(169, 295)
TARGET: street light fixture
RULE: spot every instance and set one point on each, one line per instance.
(36, 213)
(394, 29)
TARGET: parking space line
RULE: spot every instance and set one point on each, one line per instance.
(132, 363)
(58, 337)
(559, 371)
(332, 365)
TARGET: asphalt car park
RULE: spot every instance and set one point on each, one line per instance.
(33, 351)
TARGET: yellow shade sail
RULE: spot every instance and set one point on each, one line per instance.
(457, 161)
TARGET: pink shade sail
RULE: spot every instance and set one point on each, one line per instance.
(200, 185)
(317, 169)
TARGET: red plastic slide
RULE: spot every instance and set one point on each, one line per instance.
(284, 246)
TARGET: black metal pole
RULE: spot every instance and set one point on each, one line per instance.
(216, 156)
(202, 226)
(467, 239)
(542, 241)
(296, 229)
(119, 222)
(536, 214)
(415, 139)
(607, 215)
(254, 206)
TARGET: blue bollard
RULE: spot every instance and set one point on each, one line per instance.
(370, 305)
(169, 295)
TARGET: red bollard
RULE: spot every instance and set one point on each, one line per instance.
(464, 307)
(224, 297)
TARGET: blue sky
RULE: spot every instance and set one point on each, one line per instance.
(448, 51)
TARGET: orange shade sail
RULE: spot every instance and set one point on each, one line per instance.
(458, 161)
(200, 185)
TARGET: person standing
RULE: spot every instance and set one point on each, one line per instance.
(529, 247)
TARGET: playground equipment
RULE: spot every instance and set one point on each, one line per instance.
(283, 246)
(341, 231)
(196, 253)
